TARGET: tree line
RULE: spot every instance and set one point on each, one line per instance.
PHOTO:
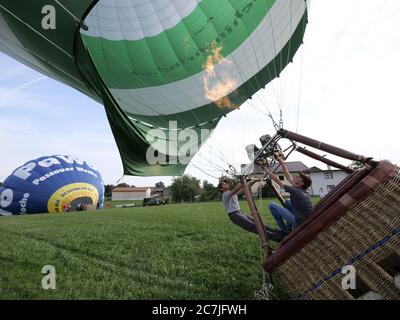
(183, 189)
(189, 189)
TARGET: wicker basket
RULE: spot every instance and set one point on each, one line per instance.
(367, 234)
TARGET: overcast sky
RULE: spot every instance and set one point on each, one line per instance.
(344, 81)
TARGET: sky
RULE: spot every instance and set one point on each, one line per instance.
(342, 88)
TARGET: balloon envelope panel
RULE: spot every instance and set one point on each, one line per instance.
(175, 58)
(51, 184)
(154, 62)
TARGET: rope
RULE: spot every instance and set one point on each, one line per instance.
(37, 32)
(120, 179)
(79, 21)
(206, 173)
(300, 87)
(303, 49)
(266, 292)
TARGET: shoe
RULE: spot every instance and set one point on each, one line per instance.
(283, 233)
(270, 229)
(275, 236)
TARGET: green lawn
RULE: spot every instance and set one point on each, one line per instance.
(180, 251)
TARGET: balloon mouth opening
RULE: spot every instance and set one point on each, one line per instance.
(81, 201)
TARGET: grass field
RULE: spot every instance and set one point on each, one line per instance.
(181, 251)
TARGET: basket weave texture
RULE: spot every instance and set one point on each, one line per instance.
(368, 233)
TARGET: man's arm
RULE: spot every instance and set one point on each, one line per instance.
(249, 185)
(286, 171)
(238, 189)
(275, 178)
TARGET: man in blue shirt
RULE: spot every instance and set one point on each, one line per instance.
(299, 207)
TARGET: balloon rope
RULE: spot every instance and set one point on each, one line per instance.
(119, 180)
(80, 22)
(37, 32)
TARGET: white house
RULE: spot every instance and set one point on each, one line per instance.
(131, 193)
(325, 180)
(294, 167)
(321, 179)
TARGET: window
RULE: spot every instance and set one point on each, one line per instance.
(282, 178)
(328, 175)
(330, 188)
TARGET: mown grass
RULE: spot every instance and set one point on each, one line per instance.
(180, 251)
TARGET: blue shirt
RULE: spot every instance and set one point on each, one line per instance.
(301, 202)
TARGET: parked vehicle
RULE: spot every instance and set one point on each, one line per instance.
(154, 201)
(126, 205)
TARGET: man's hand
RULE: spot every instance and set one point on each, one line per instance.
(288, 176)
(280, 157)
(274, 177)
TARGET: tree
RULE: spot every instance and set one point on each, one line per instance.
(108, 190)
(210, 192)
(160, 185)
(122, 185)
(185, 188)
(1, 184)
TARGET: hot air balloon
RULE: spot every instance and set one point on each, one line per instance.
(165, 65)
(174, 65)
(50, 184)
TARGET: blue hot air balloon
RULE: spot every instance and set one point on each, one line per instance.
(51, 184)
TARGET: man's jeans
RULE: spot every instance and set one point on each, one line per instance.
(247, 223)
(284, 217)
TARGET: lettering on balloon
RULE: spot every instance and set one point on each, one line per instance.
(23, 203)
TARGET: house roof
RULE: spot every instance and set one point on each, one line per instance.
(316, 169)
(294, 166)
(132, 189)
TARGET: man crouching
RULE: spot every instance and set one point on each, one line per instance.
(299, 207)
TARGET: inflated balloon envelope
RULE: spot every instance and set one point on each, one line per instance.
(51, 184)
(151, 61)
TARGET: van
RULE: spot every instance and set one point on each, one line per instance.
(154, 201)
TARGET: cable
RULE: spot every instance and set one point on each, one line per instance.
(300, 90)
(37, 32)
(79, 21)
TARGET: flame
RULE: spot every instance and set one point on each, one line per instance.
(213, 58)
(218, 92)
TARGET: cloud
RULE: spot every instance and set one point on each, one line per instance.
(12, 72)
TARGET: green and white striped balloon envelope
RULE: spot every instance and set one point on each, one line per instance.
(159, 65)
